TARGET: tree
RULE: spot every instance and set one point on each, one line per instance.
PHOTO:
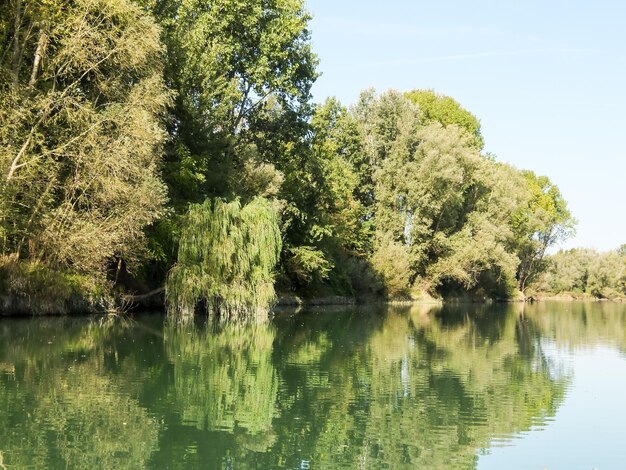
(446, 111)
(226, 258)
(584, 271)
(80, 134)
(242, 73)
(478, 256)
(325, 221)
(544, 221)
(391, 260)
(225, 61)
(566, 271)
(606, 276)
(439, 197)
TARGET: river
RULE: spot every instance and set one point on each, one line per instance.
(420, 386)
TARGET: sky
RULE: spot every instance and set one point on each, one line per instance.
(547, 79)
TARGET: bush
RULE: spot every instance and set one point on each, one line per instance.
(391, 262)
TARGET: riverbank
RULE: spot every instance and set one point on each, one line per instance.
(573, 297)
(50, 302)
(295, 300)
(54, 306)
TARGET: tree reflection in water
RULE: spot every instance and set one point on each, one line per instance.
(401, 387)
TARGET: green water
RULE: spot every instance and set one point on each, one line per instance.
(502, 387)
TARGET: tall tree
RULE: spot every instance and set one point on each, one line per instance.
(242, 73)
(81, 100)
(455, 210)
(324, 217)
(225, 60)
(544, 221)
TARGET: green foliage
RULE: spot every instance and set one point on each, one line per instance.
(307, 264)
(242, 73)
(229, 55)
(539, 224)
(606, 276)
(584, 271)
(336, 150)
(391, 262)
(324, 220)
(226, 258)
(227, 61)
(34, 286)
(446, 111)
(126, 125)
(363, 280)
(80, 134)
(434, 193)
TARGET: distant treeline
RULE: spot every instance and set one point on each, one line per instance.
(156, 143)
(585, 271)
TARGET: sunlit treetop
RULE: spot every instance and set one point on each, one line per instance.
(447, 111)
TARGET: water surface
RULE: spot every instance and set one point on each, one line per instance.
(465, 387)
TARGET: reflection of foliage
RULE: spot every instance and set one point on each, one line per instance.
(59, 412)
(585, 324)
(224, 380)
(96, 425)
(310, 352)
(415, 387)
(421, 392)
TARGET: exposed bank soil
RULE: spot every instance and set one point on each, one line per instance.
(293, 300)
(571, 297)
(75, 305)
(154, 300)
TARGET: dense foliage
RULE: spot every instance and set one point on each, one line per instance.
(586, 273)
(226, 256)
(153, 142)
(81, 102)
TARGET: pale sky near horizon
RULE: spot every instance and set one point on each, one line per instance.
(547, 79)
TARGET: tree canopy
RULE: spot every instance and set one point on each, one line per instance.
(446, 111)
(81, 137)
(151, 143)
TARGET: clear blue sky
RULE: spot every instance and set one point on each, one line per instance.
(547, 79)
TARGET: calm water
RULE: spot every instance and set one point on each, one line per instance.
(488, 387)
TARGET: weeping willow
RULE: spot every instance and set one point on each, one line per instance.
(226, 259)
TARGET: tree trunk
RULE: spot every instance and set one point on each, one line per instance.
(16, 42)
(41, 47)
